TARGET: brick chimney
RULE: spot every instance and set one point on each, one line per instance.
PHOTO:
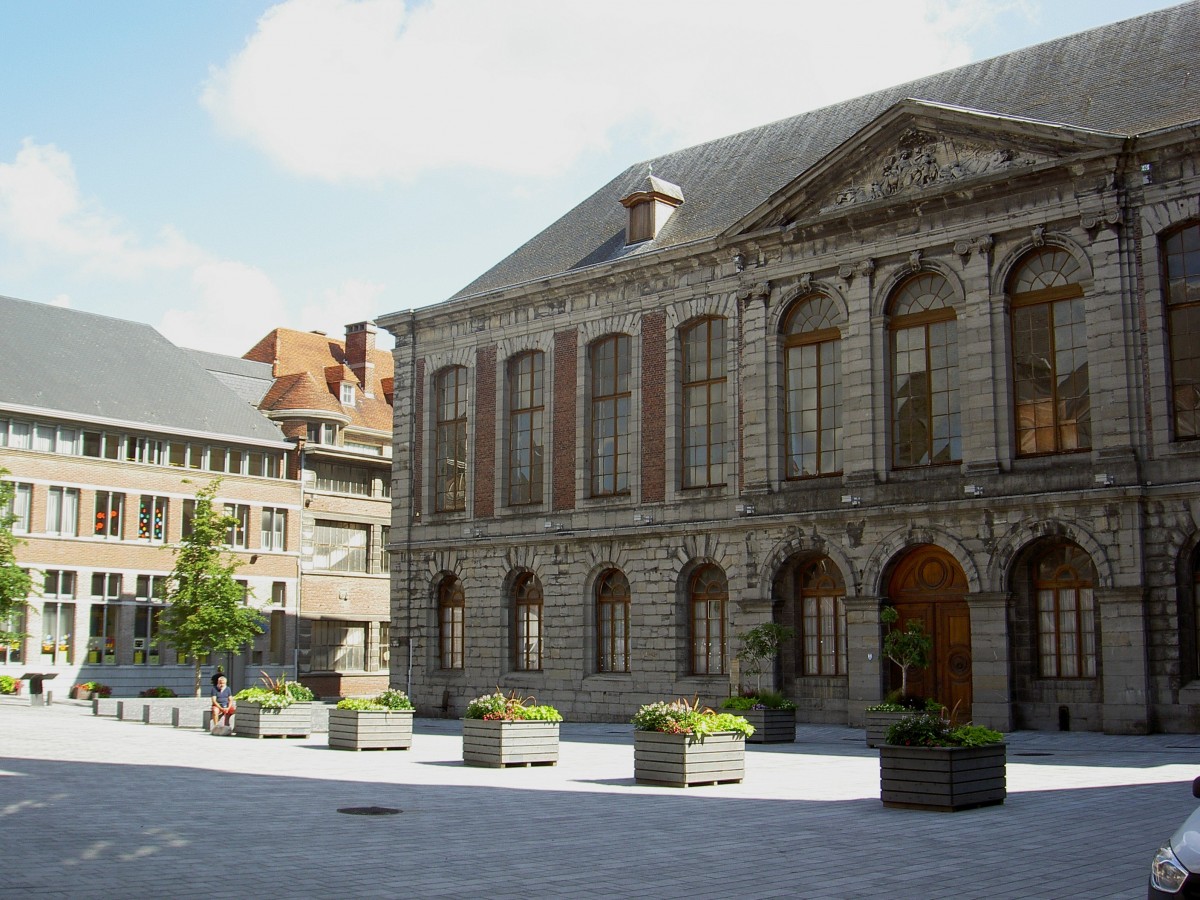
(360, 344)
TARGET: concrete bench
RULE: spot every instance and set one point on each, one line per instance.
(156, 710)
(105, 706)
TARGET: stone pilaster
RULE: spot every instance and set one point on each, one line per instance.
(1123, 655)
(991, 660)
(864, 661)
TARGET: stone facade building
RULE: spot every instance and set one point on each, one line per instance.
(932, 348)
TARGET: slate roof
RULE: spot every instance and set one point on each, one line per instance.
(1128, 78)
(78, 364)
(248, 379)
(305, 362)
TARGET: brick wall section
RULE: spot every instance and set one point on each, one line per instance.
(565, 429)
(418, 441)
(654, 407)
(485, 431)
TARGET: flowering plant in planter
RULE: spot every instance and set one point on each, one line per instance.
(896, 702)
(388, 700)
(682, 717)
(159, 691)
(928, 730)
(276, 694)
(496, 707)
(93, 687)
(10, 685)
(758, 700)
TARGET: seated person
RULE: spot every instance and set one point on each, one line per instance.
(223, 706)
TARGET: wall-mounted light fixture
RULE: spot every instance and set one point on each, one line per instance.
(552, 526)
(851, 500)
(1104, 480)
(744, 509)
(473, 531)
(973, 490)
(643, 519)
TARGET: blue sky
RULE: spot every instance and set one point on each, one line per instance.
(216, 169)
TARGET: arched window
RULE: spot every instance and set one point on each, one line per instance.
(1181, 259)
(1063, 580)
(821, 618)
(610, 366)
(452, 608)
(526, 407)
(708, 592)
(612, 622)
(527, 623)
(704, 403)
(450, 450)
(925, 414)
(1050, 364)
(813, 387)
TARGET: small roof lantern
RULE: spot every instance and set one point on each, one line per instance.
(649, 208)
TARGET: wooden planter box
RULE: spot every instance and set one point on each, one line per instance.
(878, 724)
(771, 726)
(496, 743)
(942, 778)
(364, 729)
(678, 760)
(251, 720)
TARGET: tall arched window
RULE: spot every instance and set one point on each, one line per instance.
(704, 388)
(925, 414)
(813, 386)
(821, 618)
(1181, 259)
(526, 407)
(1063, 581)
(452, 609)
(1050, 364)
(612, 622)
(610, 366)
(708, 592)
(527, 623)
(450, 450)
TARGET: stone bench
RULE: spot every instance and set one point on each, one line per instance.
(157, 710)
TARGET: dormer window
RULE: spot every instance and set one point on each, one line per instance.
(649, 209)
(347, 394)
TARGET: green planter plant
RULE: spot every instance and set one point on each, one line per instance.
(280, 708)
(678, 744)
(926, 763)
(772, 715)
(385, 722)
(501, 731)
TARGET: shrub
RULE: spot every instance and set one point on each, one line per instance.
(276, 694)
(926, 730)
(759, 700)
(388, 700)
(497, 707)
(8, 684)
(681, 717)
(159, 691)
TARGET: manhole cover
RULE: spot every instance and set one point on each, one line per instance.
(369, 811)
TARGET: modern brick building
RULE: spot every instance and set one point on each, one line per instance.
(934, 347)
(108, 430)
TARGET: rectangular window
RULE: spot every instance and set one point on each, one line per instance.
(279, 593)
(20, 508)
(106, 585)
(11, 651)
(610, 416)
(102, 635)
(58, 625)
(383, 657)
(704, 404)
(108, 514)
(340, 478)
(338, 646)
(340, 547)
(450, 440)
(58, 583)
(20, 436)
(145, 450)
(385, 556)
(102, 445)
(274, 528)
(236, 536)
(150, 587)
(526, 407)
(322, 433)
(347, 394)
(62, 511)
(152, 519)
(145, 630)
(277, 632)
(44, 437)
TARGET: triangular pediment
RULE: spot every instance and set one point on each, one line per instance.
(919, 149)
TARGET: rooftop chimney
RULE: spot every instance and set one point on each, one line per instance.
(360, 344)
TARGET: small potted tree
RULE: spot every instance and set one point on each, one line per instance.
(908, 648)
(678, 744)
(926, 763)
(384, 722)
(500, 731)
(772, 714)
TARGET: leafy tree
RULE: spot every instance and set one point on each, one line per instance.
(908, 649)
(205, 612)
(759, 645)
(15, 582)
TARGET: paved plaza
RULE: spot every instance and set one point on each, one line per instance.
(92, 807)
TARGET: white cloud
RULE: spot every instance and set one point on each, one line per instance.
(233, 306)
(374, 89)
(352, 302)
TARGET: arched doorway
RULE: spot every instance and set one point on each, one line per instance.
(928, 585)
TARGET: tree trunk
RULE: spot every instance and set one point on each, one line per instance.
(197, 670)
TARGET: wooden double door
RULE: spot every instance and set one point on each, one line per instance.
(928, 584)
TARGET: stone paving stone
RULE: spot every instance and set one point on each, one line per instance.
(95, 808)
